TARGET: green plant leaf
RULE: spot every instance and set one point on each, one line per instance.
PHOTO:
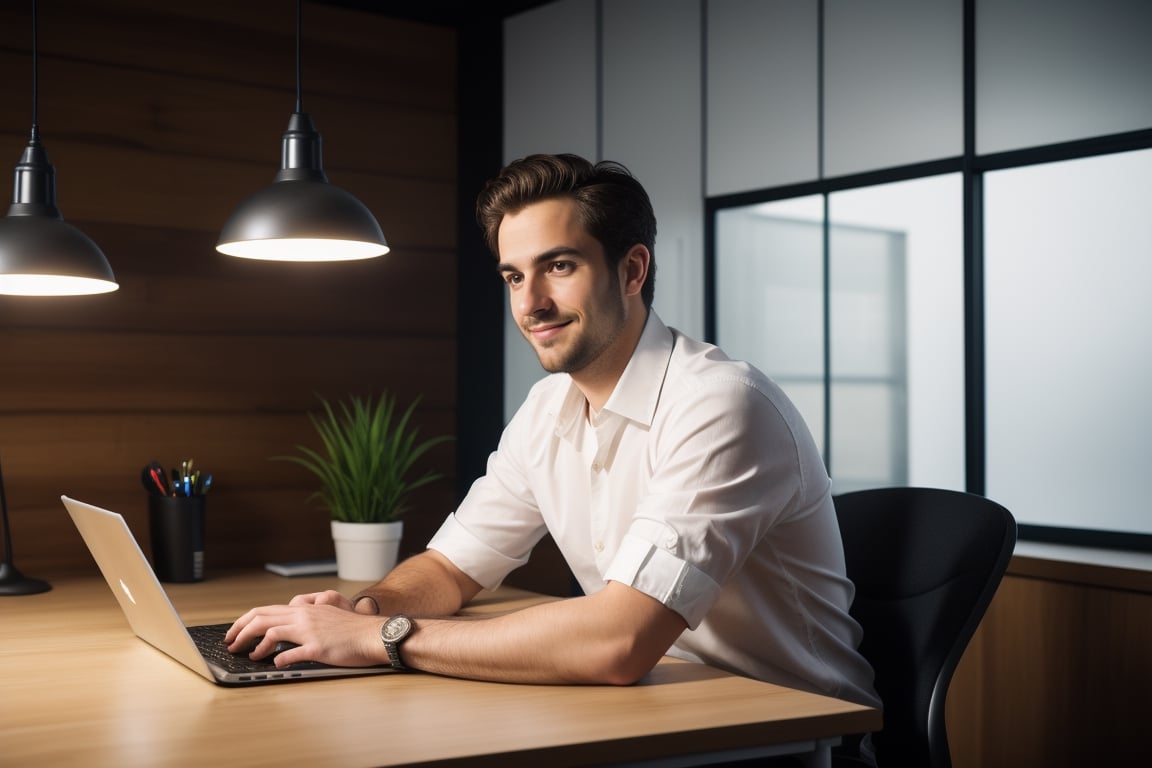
(367, 457)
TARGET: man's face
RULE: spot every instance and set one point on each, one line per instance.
(565, 299)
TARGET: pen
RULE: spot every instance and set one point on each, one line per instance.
(158, 478)
(185, 481)
(152, 476)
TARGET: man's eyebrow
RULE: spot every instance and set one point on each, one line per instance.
(542, 258)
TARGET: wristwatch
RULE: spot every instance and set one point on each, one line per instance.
(392, 633)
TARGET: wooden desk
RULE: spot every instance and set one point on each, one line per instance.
(79, 687)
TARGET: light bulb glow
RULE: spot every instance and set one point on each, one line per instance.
(303, 249)
(53, 285)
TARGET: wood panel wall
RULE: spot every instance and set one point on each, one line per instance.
(159, 119)
(1059, 674)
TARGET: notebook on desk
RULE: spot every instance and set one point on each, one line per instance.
(154, 619)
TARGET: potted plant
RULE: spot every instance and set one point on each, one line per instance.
(369, 452)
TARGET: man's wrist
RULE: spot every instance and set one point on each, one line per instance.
(393, 632)
(363, 602)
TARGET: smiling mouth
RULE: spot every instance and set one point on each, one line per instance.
(545, 330)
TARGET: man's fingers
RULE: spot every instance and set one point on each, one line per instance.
(254, 624)
(327, 597)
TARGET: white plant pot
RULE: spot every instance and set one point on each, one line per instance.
(366, 551)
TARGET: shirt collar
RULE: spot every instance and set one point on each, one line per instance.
(638, 390)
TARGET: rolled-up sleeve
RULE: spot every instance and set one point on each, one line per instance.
(485, 564)
(494, 529)
(722, 469)
(646, 561)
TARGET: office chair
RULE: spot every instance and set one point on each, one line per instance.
(925, 563)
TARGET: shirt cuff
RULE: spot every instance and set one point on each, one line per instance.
(643, 564)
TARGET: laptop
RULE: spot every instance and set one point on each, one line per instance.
(154, 619)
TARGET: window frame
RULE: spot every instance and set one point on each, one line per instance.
(972, 168)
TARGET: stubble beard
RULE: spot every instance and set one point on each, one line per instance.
(588, 345)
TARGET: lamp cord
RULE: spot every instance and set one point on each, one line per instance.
(299, 98)
(35, 78)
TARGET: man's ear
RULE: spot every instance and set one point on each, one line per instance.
(634, 269)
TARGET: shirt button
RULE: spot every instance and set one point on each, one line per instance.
(596, 467)
(599, 546)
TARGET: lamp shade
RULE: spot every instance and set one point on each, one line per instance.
(40, 253)
(300, 216)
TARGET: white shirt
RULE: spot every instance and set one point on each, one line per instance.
(699, 484)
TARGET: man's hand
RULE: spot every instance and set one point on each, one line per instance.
(328, 627)
(323, 627)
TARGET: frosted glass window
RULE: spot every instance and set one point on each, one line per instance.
(762, 94)
(895, 305)
(770, 296)
(1050, 72)
(869, 357)
(898, 321)
(550, 91)
(893, 83)
(1068, 269)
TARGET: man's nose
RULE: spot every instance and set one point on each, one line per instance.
(532, 298)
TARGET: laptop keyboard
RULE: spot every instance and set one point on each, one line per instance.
(209, 639)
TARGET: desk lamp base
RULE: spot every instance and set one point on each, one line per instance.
(12, 582)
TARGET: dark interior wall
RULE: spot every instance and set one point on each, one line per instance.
(159, 119)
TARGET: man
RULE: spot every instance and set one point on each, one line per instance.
(683, 488)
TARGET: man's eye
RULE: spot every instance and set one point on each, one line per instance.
(560, 267)
(513, 279)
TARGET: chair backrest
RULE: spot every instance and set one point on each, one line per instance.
(925, 563)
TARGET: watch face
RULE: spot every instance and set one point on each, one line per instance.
(395, 628)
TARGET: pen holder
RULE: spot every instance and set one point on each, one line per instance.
(176, 524)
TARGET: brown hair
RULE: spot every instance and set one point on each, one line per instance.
(612, 204)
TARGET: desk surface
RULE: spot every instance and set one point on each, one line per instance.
(79, 687)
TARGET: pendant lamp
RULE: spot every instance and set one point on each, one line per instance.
(300, 216)
(40, 253)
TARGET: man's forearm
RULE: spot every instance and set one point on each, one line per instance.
(613, 637)
(426, 585)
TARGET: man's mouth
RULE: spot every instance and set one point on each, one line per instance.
(545, 332)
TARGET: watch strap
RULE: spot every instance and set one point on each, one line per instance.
(394, 655)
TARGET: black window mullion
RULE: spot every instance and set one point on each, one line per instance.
(975, 400)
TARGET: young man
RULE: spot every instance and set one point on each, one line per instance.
(682, 487)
